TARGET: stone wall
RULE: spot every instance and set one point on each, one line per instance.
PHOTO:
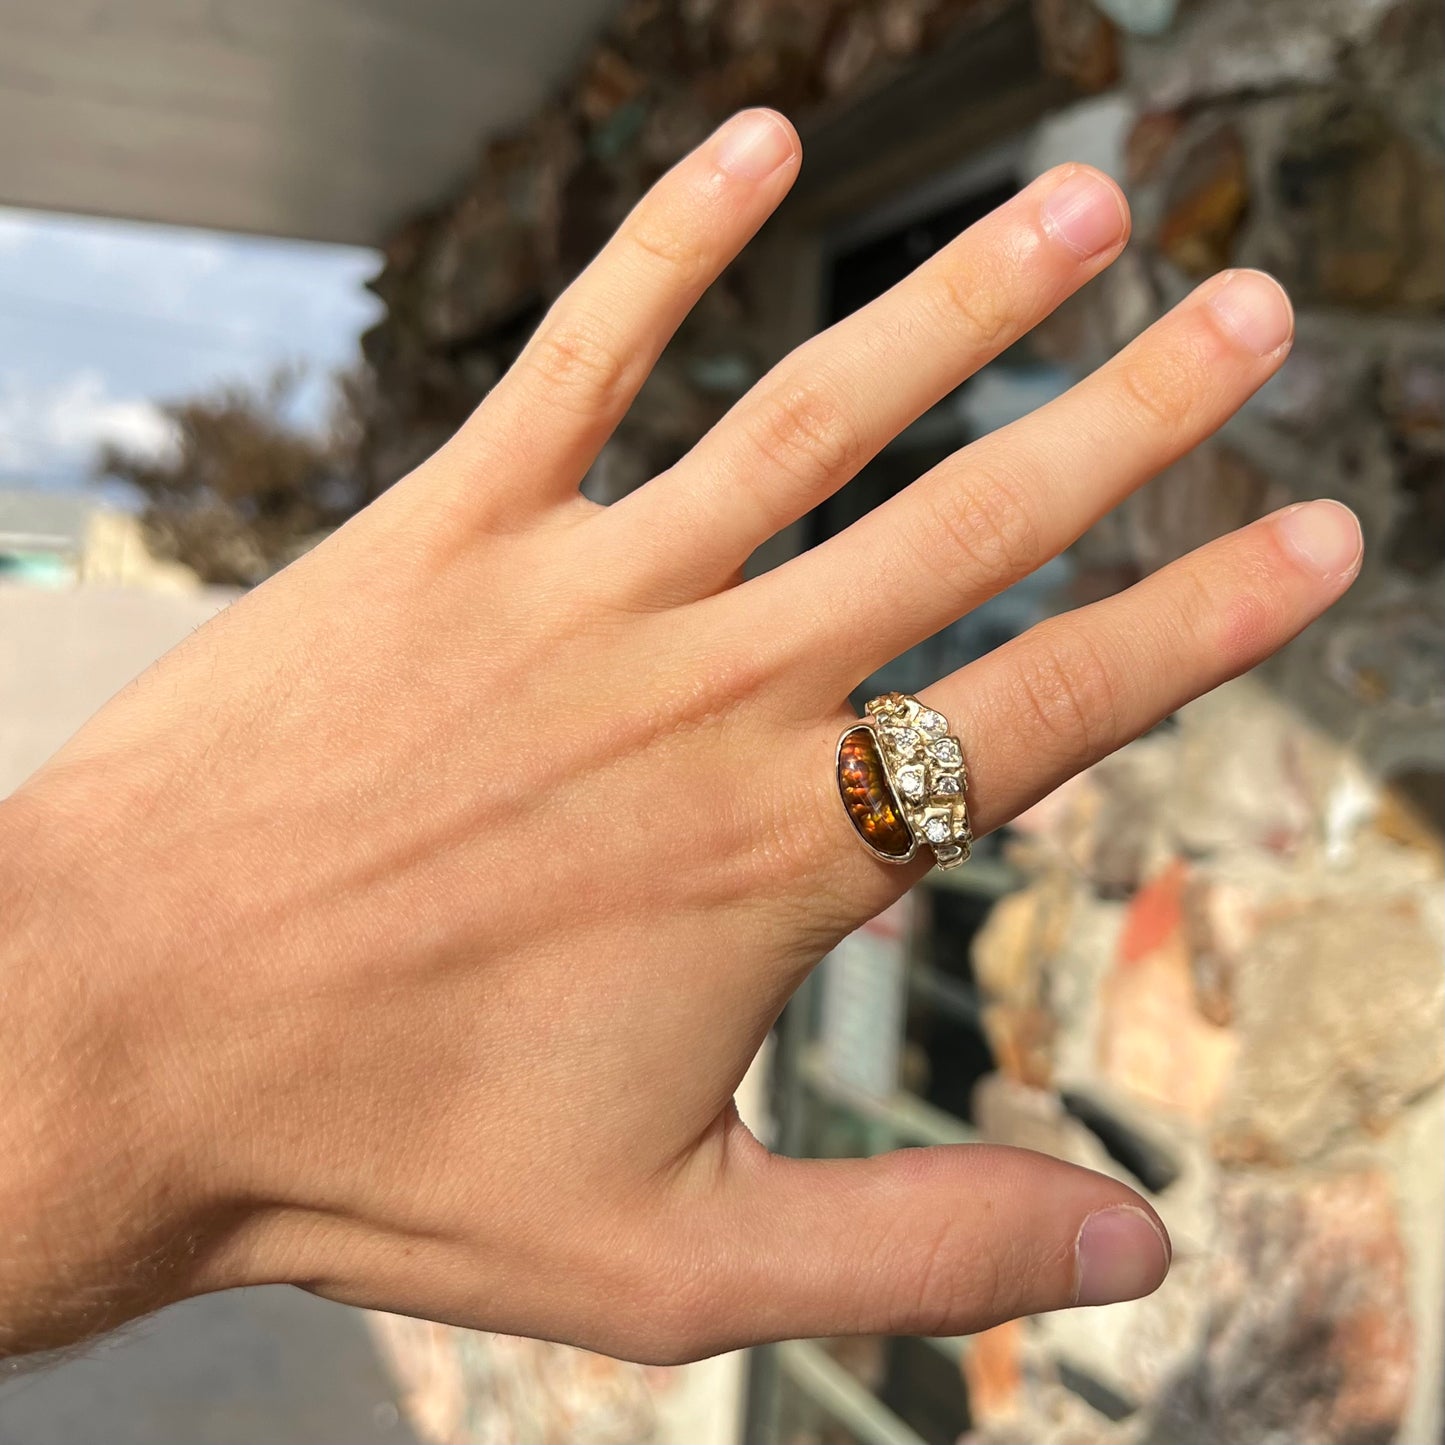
(1223, 978)
(465, 286)
(1224, 982)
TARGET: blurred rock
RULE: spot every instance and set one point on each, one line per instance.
(1150, 142)
(467, 1385)
(1057, 1416)
(855, 45)
(1021, 1038)
(1023, 933)
(1131, 1352)
(1362, 209)
(993, 1371)
(1009, 1112)
(1324, 1050)
(1389, 654)
(1204, 204)
(1144, 1148)
(1153, 1040)
(1412, 811)
(608, 83)
(901, 25)
(1403, 59)
(1248, 777)
(1078, 42)
(1220, 921)
(1327, 377)
(1308, 1336)
(1141, 17)
(1233, 48)
(1127, 843)
(1212, 490)
(1413, 542)
(1092, 131)
(1131, 300)
(1412, 398)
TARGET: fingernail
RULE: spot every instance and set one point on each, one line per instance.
(1324, 536)
(1120, 1255)
(1085, 213)
(1254, 309)
(753, 145)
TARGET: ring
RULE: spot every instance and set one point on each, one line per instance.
(902, 777)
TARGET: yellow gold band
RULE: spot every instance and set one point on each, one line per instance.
(902, 779)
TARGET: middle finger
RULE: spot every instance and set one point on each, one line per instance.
(835, 402)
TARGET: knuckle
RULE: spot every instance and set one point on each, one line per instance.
(666, 248)
(1161, 388)
(985, 525)
(952, 1282)
(933, 1305)
(1189, 622)
(1232, 621)
(1069, 689)
(579, 369)
(982, 305)
(805, 434)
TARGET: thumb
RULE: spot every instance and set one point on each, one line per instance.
(940, 1241)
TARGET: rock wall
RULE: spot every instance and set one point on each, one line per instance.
(465, 286)
(1223, 979)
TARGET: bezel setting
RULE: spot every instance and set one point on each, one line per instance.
(924, 776)
(867, 725)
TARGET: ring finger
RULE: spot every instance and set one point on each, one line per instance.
(1076, 687)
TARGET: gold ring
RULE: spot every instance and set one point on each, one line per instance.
(902, 778)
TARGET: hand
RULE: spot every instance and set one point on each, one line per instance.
(405, 933)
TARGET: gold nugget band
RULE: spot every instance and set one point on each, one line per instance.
(901, 776)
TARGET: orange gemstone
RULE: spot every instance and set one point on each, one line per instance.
(867, 796)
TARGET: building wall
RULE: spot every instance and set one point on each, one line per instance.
(1224, 975)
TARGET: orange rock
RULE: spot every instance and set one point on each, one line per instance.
(1155, 914)
(1206, 204)
(1153, 1039)
(993, 1373)
(1022, 1040)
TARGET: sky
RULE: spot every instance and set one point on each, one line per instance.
(102, 320)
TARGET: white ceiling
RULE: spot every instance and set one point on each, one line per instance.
(326, 119)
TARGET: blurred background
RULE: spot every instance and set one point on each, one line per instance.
(259, 257)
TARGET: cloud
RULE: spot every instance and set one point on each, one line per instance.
(101, 318)
(15, 229)
(54, 431)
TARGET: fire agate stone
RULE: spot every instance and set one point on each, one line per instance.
(867, 796)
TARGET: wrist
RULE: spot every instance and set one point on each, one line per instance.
(100, 1191)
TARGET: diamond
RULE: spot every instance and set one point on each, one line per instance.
(910, 780)
(904, 741)
(947, 751)
(932, 724)
(947, 785)
(938, 830)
